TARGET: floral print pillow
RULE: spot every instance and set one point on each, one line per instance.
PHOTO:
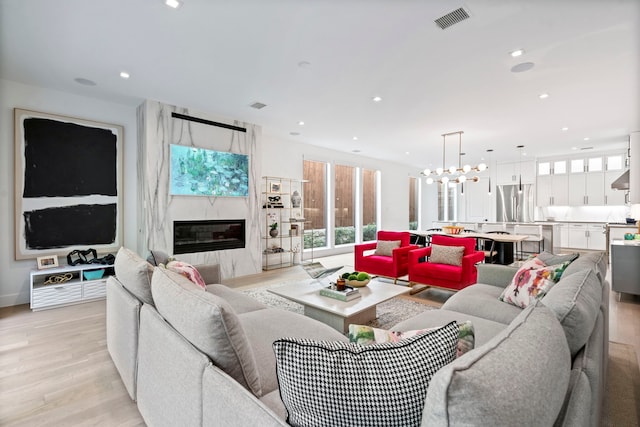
(532, 281)
(367, 335)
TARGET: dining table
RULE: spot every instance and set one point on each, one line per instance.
(505, 243)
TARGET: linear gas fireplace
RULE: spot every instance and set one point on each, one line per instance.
(208, 235)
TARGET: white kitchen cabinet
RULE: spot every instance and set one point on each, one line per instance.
(587, 236)
(564, 235)
(586, 189)
(553, 190)
(509, 173)
(613, 197)
(597, 237)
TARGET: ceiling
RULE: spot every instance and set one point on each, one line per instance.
(322, 62)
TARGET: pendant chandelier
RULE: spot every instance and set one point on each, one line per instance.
(454, 174)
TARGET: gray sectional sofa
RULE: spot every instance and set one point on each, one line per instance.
(197, 357)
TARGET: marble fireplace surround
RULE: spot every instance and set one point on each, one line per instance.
(158, 210)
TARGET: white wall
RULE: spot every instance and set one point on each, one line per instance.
(14, 275)
(278, 158)
(285, 158)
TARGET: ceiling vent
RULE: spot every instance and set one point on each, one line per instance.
(258, 105)
(452, 18)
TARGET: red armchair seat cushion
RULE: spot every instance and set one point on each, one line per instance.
(440, 271)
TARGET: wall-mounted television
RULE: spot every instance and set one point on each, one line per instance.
(201, 172)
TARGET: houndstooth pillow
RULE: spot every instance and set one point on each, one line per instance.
(344, 384)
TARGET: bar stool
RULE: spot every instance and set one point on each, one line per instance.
(533, 233)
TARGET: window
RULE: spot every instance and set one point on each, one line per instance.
(369, 205)
(595, 164)
(413, 203)
(447, 202)
(559, 167)
(344, 205)
(544, 168)
(577, 165)
(315, 196)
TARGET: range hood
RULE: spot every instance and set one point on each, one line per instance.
(622, 182)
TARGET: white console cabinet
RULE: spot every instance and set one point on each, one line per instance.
(47, 292)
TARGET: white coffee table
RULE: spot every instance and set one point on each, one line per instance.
(335, 313)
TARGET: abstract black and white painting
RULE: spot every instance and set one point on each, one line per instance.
(68, 192)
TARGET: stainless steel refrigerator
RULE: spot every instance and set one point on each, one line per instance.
(515, 206)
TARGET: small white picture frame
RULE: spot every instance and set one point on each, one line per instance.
(275, 187)
(47, 261)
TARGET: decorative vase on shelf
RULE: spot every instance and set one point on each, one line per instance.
(274, 230)
(295, 199)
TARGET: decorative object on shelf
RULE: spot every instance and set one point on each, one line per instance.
(273, 232)
(275, 187)
(58, 279)
(93, 274)
(628, 236)
(295, 199)
(273, 202)
(294, 230)
(458, 173)
(48, 261)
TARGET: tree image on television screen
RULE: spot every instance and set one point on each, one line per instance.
(202, 172)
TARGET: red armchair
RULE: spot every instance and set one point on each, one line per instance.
(446, 275)
(394, 265)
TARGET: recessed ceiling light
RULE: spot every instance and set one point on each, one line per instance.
(355, 138)
(565, 128)
(355, 151)
(83, 81)
(294, 133)
(543, 95)
(376, 99)
(574, 148)
(407, 153)
(587, 138)
(516, 53)
(258, 105)
(304, 64)
(301, 123)
(124, 75)
(173, 3)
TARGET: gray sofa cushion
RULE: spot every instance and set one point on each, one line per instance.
(596, 261)
(575, 300)
(209, 323)
(553, 259)
(484, 329)
(156, 258)
(481, 300)
(497, 371)
(135, 274)
(265, 326)
(240, 302)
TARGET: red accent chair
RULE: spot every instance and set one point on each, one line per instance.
(394, 266)
(445, 275)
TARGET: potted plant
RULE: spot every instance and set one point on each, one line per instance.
(274, 230)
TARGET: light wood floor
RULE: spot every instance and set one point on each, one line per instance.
(55, 369)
